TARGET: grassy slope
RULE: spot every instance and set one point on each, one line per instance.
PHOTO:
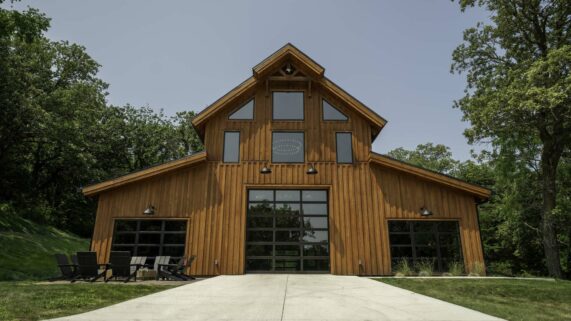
(26, 248)
(25, 301)
(510, 299)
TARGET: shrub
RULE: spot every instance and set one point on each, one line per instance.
(402, 268)
(477, 269)
(500, 268)
(455, 268)
(425, 267)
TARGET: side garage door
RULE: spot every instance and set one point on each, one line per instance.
(287, 231)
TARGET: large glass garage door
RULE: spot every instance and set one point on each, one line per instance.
(287, 231)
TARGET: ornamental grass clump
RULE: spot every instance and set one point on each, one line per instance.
(402, 268)
(425, 267)
(477, 269)
(455, 268)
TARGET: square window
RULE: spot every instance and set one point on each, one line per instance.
(288, 147)
(288, 105)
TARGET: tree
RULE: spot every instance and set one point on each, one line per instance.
(434, 157)
(519, 92)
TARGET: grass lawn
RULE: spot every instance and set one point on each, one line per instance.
(27, 248)
(28, 301)
(509, 299)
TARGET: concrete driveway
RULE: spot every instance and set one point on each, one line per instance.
(283, 297)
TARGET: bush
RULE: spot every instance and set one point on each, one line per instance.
(500, 268)
(456, 268)
(402, 268)
(425, 267)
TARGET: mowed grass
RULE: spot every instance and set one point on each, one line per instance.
(27, 249)
(26, 301)
(514, 300)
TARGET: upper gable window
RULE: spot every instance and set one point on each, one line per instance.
(287, 105)
(246, 112)
(332, 113)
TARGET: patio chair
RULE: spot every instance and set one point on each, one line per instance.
(176, 271)
(121, 267)
(140, 260)
(67, 270)
(160, 263)
(87, 267)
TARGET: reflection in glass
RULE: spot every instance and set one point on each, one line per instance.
(315, 236)
(315, 222)
(288, 105)
(287, 250)
(287, 236)
(231, 147)
(259, 250)
(316, 250)
(314, 209)
(288, 265)
(264, 208)
(287, 196)
(261, 195)
(314, 196)
(254, 222)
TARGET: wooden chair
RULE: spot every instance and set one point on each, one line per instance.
(68, 271)
(121, 267)
(176, 271)
(160, 263)
(87, 267)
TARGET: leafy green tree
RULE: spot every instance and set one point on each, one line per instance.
(518, 96)
(434, 157)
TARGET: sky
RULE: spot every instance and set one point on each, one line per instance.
(394, 56)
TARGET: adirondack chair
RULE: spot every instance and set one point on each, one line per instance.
(121, 267)
(160, 263)
(176, 271)
(87, 267)
(67, 270)
(138, 260)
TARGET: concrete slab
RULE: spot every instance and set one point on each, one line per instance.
(257, 297)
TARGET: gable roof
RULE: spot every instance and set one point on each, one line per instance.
(149, 172)
(478, 191)
(316, 72)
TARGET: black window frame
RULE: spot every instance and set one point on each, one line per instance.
(291, 132)
(253, 100)
(289, 119)
(138, 232)
(224, 147)
(300, 243)
(411, 233)
(337, 147)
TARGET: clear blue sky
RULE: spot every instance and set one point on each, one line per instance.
(178, 55)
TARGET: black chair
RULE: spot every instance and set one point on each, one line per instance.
(68, 271)
(121, 267)
(176, 271)
(87, 267)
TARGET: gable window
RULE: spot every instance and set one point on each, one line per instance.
(287, 105)
(231, 147)
(288, 147)
(332, 113)
(344, 148)
(245, 112)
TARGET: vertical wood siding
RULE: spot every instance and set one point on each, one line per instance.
(362, 196)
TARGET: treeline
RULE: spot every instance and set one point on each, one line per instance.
(510, 221)
(58, 133)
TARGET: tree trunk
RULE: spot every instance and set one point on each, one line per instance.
(550, 157)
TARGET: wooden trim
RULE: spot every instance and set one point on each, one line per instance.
(95, 189)
(290, 51)
(479, 191)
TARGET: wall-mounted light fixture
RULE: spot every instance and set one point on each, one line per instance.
(311, 170)
(150, 210)
(265, 170)
(425, 211)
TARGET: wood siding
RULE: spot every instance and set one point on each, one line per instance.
(362, 196)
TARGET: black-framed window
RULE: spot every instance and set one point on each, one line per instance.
(288, 147)
(150, 238)
(231, 147)
(287, 105)
(332, 113)
(416, 241)
(287, 231)
(244, 112)
(344, 147)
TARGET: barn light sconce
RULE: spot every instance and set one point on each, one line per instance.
(425, 211)
(150, 210)
(265, 170)
(288, 69)
(312, 170)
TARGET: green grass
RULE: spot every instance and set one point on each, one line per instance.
(509, 299)
(24, 301)
(27, 248)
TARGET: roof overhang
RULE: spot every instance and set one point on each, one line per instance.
(288, 53)
(479, 192)
(146, 173)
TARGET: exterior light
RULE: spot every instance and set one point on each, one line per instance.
(288, 69)
(425, 212)
(150, 210)
(265, 170)
(311, 170)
